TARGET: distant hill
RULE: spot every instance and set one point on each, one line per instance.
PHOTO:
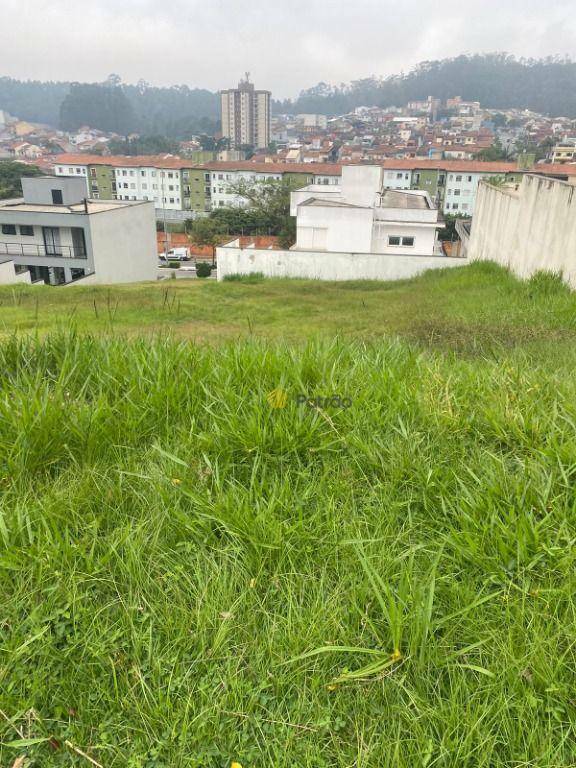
(177, 111)
(496, 80)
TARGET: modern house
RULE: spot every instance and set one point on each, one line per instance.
(59, 236)
(358, 230)
(363, 216)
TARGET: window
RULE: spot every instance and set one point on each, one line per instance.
(8, 229)
(468, 178)
(458, 178)
(144, 186)
(408, 242)
(142, 173)
(455, 206)
(93, 172)
(131, 173)
(124, 173)
(57, 198)
(393, 240)
(464, 206)
(78, 171)
(456, 193)
(132, 186)
(26, 230)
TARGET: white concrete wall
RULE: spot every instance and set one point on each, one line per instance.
(124, 244)
(531, 229)
(347, 229)
(326, 266)
(361, 183)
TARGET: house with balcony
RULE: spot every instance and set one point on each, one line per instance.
(56, 235)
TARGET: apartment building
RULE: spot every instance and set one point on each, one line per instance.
(58, 236)
(224, 176)
(177, 187)
(565, 152)
(246, 115)
(180, 188)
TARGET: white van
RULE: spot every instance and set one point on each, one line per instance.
(176, 254)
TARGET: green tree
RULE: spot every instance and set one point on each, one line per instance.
(144, 145)
(269, 199)
(206, 231)
(100, 106)
(10, 174)
(494, 153)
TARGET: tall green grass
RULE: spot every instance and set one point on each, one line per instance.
(189, 576)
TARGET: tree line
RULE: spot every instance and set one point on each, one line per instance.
(497, 80)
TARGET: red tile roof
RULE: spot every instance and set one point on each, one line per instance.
(328, 169)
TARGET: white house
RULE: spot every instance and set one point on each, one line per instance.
(362, 216)
(58, 236)
(357, 230)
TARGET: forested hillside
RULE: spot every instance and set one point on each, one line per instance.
(176, 111)
(496, 80)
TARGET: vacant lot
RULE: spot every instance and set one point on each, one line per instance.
(194, 573)
(462, 309)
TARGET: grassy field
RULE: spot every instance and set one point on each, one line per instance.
(195, 573)
(458, 308)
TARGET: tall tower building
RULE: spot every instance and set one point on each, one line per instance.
(246, 115)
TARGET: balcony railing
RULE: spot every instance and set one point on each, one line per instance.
(25, 250)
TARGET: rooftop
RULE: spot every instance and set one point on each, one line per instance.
(90, 207)
(334, 169)
(396, 199)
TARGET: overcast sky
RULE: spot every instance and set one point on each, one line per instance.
(287, 45)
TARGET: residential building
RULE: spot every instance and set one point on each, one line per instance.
(187, 189)
(564, 152)
(362, 215)
(59, 236)
(358, 229)
(246, 115)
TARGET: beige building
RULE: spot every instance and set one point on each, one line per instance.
(246, 115)
(565, 152)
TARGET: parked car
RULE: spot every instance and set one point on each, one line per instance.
(176, 254)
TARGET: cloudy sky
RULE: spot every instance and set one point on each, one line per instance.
(287, 45)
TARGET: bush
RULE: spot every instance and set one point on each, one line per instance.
(203, 269)
(174, 264)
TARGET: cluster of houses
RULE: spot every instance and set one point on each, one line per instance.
(453, 129)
